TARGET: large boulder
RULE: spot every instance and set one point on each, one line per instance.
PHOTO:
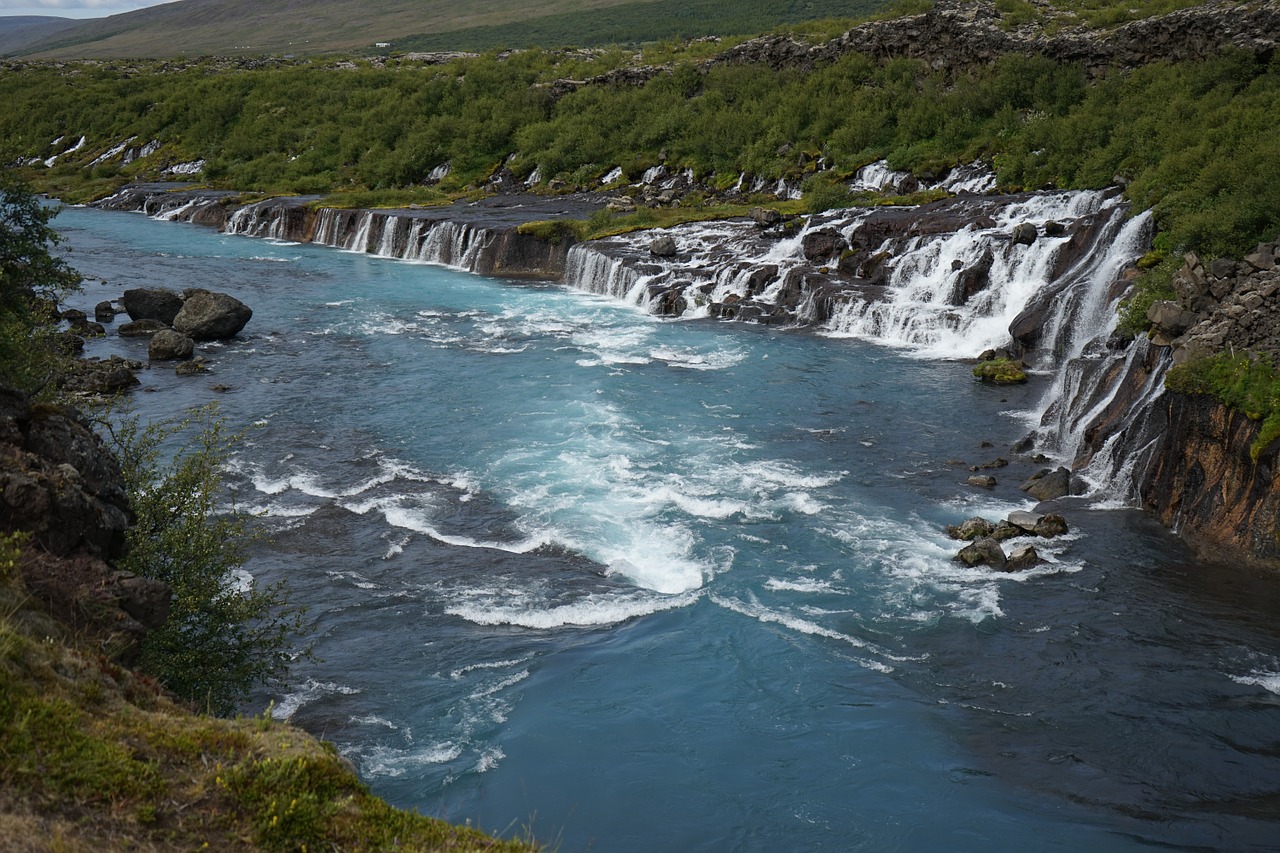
(983, 552)
(152, 303)
(823, 244)
(973, 528)
(168, 345)
(663, 247)
(209, 316)
(1048, 485)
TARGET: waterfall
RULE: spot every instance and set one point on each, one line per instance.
(1087, 377)
(918, 310)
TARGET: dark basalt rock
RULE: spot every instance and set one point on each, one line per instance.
(1048, 485)
(209, 316)
(152, 303)
(140, 328)
(983, 552)
(168, 345)
(104, 312)
(822, 245)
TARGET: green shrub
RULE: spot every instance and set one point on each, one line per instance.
(225, 634)
(32, 279)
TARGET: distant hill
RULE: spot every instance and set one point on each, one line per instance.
(251, 27)
(19, 31)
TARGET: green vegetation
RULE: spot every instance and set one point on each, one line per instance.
(224, 635)
(1155, 285)
(1195, 141)
(92, 757)
(1001, 371)
(32, 279)
(1245, 382)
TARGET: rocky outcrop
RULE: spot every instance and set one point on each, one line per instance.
(60, 486)
(1226, 305)
(955, 34)
(1203, 483)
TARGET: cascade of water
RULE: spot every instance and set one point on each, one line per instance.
(614, 175)
(1085, 381)
(360, 242)
(919, 310)
(595, 272)
(652, 174)
(876, 176)
(392, 226)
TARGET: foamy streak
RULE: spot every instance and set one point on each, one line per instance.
(755, 610)
(308, 692)
(1269, 681)
(590, 612)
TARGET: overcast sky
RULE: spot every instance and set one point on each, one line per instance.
(74, 8)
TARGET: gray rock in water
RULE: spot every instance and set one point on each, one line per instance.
(152, 303)
(1022, 557)
(663, 247)
(1050, 526)
(985, 481)
(983, 552)
(1051, 486)
(191, 368)
(1025, 521)
(974, 528)
(140, 328)
(1024, 234)
(1005, 530)
(104, 312)
(168, 345)
(209, 316)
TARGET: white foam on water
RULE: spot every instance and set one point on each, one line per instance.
(375, 720)
(493, 689)
(802, 585)
(592, 611)
(310, 691)
(478, 667)
(1269, 681)
(392, 762)
(489, 759)
(755, 610)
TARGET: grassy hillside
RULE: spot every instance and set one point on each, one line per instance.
(95, 757)
(649, 20)
(247, 27)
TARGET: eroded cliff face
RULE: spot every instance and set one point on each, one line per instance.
(1186, 457)
(1202, 483)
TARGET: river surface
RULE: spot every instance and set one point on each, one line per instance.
(633, 584)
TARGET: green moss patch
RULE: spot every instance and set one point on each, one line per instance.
(1246, 383)
(1001, 371)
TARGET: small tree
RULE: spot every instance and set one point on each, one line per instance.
(32, 278)
(226, 633)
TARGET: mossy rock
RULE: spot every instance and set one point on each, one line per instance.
(1001, 371)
